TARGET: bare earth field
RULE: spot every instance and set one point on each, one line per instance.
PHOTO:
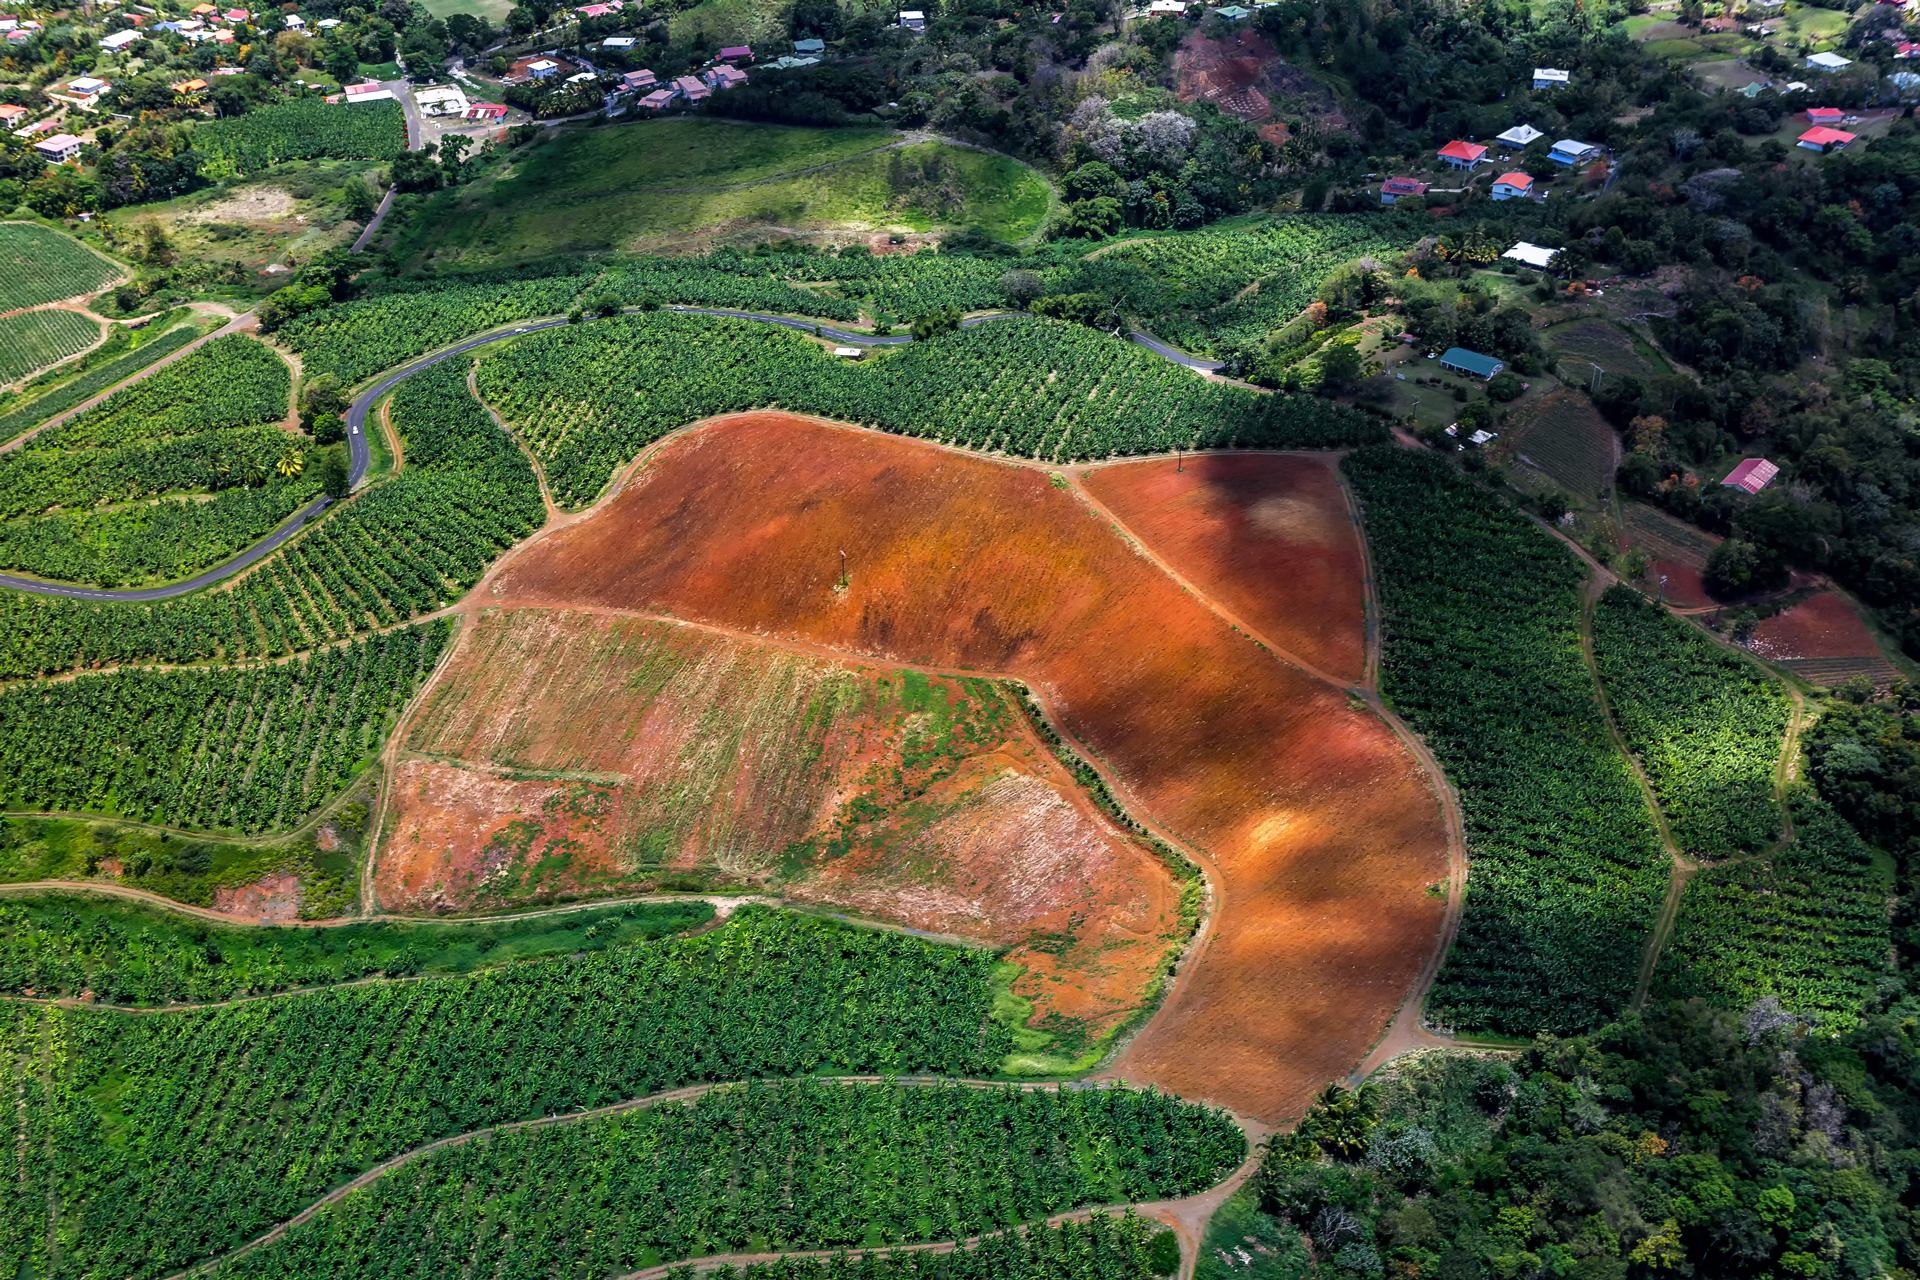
(570, 752)
(1823, 639)
(1268, 535)
(1319, 833)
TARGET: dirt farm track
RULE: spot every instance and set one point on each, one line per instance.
(1317, 829)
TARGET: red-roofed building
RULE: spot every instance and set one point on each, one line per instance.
(724, 77)
(1822, 139)
(635, 81)
(1825, 115)
(1463, 155)
(1751, 476)
(691, 89)
(485, 111)
(9, 113)
(658, 100)
(236, 15)
(1907, 49)
(1394, 189)
(737, 53)
(1513, 186)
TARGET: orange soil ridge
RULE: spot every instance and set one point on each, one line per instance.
(565, 753)
(1270, 536)
(1317, 828)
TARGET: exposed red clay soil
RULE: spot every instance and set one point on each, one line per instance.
(1825, 640)
(1269, 536)
(1243, 75)
(567, 753)
(270, 899)
(1320, 832)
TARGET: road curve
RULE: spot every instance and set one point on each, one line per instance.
(361, 454)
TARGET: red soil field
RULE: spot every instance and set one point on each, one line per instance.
(1825, 639)
(1319, 830)
(571, 753)
(1269, 536)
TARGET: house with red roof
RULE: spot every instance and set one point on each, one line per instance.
(1463, 155)
(1394, 189)
(1906, 49)
(692, 89)
(1751, 476)
(236, 15)
(485, 111)
(11, 114)
(1825, 115)
(1822, 139)
(658, 100)
(724, 77)
(737, 53)
(1513, 186)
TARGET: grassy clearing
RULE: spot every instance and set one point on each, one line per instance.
(627, 187)
(1579, 344)
(494, 11)
(36, 339)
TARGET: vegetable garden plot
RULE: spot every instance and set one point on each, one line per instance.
(214, 1124)
(1807, 924)
(250, 749)
(406, 547)
(589, 397)
(39, 264)
(36, 339)
(1707, 726)
(861, 1165)
(1482, 657)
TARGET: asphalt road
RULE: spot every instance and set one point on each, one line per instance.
(360, 453)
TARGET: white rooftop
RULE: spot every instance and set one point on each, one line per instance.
(1533, 255)
(1520, 135)
(1829, 61)
(1554, 74)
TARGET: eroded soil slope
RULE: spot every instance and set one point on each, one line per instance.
(1321, 835)
(568, 752)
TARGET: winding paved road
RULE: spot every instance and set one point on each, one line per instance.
(361, 454)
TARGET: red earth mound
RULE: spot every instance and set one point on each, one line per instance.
(564, 753)
(1319, 831)
(1269, 536)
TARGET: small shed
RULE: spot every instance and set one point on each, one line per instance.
(1751, 476)
(849, 353)
(1471, 363)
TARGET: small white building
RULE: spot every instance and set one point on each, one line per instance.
(913, 19)
(59, 149)
(88, 89)
(327, 24)
(1828, 62)
(542, 69)
(1537, 256)
(120, 39)
(1551, 78)
(1521, 135)
(294, 22)
(849, 353)
(440, 100)
(619, 42)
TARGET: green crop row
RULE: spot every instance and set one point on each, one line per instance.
(247, 749)
(1101, 1248)
(1707, 726)
(1807, 925)
(1482, 656)
(40, 338)
(304, 129)
(219, 1122)
(858, 1165)
(588, 397)
(407, 546)
(39, 264)
(32, 411)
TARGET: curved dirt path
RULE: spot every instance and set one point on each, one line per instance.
(691, 1093)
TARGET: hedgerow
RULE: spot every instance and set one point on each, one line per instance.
(220, 1122)
(405, 547)
(249, 749)
(304, 129)
(1481, 654)
(1807, 924)
(63, 944)
(859, 1165)
(588, 397)
(1707, 726)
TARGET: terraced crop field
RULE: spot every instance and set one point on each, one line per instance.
(33, 340)
(1676, 551)
(39, 264)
